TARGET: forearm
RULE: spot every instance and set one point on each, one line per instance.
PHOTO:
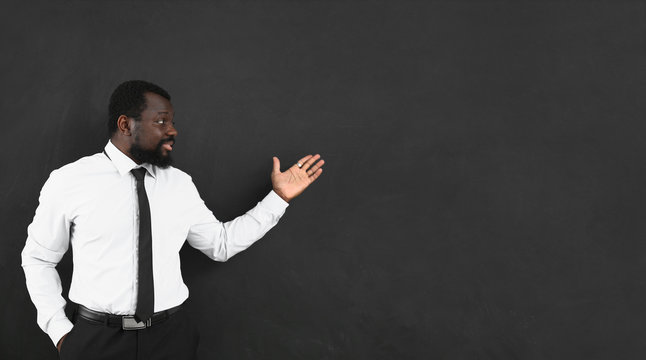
(221, 241)
(44, 286)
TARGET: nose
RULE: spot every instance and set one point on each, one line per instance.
(171, 131)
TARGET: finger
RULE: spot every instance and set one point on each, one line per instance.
(316, 175)
(276, 165)
(302, 161)
(315, 167)
(310, 161)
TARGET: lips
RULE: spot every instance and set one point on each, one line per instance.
(168, 145)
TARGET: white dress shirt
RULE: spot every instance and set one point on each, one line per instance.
(92, 203)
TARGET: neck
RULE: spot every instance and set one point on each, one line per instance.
(123, 146)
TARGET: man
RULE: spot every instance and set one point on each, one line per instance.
(126, 213)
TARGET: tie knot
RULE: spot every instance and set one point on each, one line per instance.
(139, 173)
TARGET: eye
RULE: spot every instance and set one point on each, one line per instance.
(160, 121)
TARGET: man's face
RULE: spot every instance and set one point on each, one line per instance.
(154, 135)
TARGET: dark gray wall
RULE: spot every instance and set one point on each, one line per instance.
(483, 196)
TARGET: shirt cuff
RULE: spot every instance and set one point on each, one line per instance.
(58, 327)
(274, 203)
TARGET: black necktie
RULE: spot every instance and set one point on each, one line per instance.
(146, 292)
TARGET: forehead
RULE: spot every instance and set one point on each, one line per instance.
(157, 104)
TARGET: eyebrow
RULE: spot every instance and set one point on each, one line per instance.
(165, 113)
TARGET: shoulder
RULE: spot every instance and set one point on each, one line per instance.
(176, 182)
(79, 171)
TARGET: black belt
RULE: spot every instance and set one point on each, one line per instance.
(126, 322)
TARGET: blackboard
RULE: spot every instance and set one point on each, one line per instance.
(483, 190)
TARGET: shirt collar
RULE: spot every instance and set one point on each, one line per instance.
(123, 163)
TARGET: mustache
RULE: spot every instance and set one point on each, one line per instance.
(170, 140)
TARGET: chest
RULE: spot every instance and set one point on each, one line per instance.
(107, 212)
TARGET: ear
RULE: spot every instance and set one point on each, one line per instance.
(124, 125)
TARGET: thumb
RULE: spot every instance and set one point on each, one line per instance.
(276, 165)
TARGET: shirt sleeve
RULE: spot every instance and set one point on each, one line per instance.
(47, 242)
(220, 241)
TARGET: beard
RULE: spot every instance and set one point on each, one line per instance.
(153, 157)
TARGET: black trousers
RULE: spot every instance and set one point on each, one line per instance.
(175, 338)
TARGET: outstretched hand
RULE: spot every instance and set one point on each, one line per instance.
(295, 180)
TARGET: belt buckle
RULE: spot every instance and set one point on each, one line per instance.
(128, 322)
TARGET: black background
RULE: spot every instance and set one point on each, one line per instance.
(483, 194)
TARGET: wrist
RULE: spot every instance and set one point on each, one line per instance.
(60, 342)
(282, 196)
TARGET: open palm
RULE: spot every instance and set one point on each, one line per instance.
(293, 181)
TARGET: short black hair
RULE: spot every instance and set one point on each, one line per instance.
(128, 99)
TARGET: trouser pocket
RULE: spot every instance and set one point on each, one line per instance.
(67, 343)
